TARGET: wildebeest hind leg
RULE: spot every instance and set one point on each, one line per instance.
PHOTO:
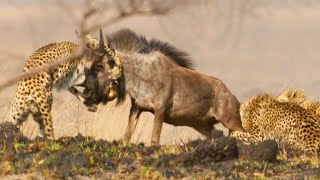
(132, 124)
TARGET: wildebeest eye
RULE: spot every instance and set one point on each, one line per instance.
(111, 63)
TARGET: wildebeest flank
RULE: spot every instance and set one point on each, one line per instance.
(159, 79)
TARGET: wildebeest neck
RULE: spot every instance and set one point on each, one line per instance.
(142, 73)
(128, 41)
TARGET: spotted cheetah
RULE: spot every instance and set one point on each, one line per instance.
(298, 97)
(263, 117)
(34, 94)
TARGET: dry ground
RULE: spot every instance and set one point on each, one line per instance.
(83, 157)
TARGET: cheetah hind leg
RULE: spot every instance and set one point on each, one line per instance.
(313, 146)
(245, 136)
(19, 114)
(41, 111)
(37, 117)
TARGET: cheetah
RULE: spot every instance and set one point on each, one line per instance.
(263, 117)
(298, 97)
(34, 94)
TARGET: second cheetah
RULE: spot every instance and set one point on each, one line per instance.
(263, 117)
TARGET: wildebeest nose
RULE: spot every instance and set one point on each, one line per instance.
(88, 94)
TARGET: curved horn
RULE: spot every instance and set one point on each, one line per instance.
(101, 48)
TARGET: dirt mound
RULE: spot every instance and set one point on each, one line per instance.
(9, 134)
(264, 151)
(219, 149)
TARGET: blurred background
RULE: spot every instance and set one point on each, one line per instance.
(253, 46)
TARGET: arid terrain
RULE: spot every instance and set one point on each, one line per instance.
(253, 47)
(83, 157)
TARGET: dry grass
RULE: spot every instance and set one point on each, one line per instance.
(71, 157)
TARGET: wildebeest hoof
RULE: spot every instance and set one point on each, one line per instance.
(153, 143)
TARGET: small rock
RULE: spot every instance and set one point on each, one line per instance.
(264, 151)
(219, 149)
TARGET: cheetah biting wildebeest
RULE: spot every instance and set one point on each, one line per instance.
(263, 117)
(34, 94)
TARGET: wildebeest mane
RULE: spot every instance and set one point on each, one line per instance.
(129, 41)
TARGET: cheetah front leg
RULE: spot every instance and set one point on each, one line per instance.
(246, 137)
(42, 113)
(76, 93)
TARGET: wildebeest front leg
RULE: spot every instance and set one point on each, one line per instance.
(132, 124)
(157, 126)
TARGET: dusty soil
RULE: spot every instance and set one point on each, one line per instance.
(81, 156)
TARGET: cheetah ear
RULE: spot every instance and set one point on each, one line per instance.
(77, 33)
(101, 48)
(292, 95)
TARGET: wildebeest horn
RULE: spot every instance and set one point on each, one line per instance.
(101, 48)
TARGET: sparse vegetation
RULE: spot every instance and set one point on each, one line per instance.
(220, 157)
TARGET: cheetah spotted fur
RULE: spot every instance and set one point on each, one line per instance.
(34, 94)
(263, 117)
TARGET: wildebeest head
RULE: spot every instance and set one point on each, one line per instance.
(102, 69)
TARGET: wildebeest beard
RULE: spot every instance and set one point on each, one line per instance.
(91, 92)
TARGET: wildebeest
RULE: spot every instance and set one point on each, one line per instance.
(159, 78)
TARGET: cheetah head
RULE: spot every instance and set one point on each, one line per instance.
(291, 95)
